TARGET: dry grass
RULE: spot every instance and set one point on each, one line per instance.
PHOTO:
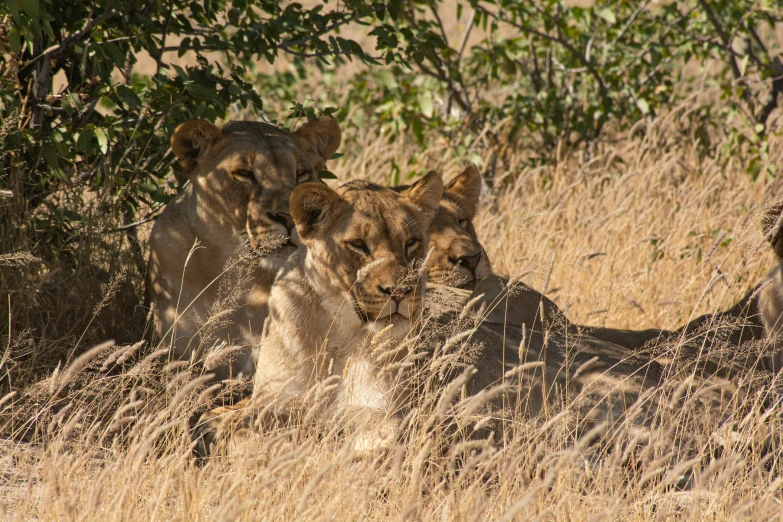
(647, 233)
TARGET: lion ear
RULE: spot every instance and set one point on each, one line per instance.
(772, 226)
(465, 190)
(312, 205)
(426, 193)
(319, 139)
(191, 140)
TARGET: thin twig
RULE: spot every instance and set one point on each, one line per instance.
(57, 51)
(570, 48)
(153, 215)
(723, 36)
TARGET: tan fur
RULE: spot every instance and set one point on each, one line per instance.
(459, 260)
(315, 332)
(590, 382)
(217, 246)
(770, 293)
(357, 273)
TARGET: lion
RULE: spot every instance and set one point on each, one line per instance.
(460, 261)
(343, 289)
(215, 249)
(357, 275)
(453, 263)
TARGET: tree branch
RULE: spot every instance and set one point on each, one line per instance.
(723, 36)
(571, 49)
(328, 29)
(458, 62)
(57, 51)
(442, 77)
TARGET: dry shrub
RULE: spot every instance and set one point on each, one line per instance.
(113, 441)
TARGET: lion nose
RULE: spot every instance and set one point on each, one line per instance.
(396, 293)
(469, 262)
(284, 218)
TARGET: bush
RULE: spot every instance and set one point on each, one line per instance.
(84, 167)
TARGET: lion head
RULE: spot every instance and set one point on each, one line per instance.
(369, 242)
(243, 175)
(458, 259)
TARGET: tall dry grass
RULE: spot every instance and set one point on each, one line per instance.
(646, 233)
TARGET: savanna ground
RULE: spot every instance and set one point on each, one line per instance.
(647, 230)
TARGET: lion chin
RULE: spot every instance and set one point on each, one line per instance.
(273, 252)
(400, 325)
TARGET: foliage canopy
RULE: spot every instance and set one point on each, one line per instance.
(556, 74)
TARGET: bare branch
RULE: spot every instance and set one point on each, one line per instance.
(152, 216)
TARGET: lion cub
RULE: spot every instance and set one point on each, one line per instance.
(216, 247)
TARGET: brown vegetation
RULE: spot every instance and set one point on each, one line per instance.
(647, 232)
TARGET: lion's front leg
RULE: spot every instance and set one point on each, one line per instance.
(370, 404)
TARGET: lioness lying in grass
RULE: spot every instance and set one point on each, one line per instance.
(215, 249)
(352, 292)
(357, 277)
(460, 261)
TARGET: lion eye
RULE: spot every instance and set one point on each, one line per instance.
(410, 246)
(302, 176)
(244, 173)
(358, 244)
(463, 223)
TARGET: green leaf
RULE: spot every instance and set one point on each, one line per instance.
(148, 188)
(384, 78)
(103, 140)
(30, 8)
(425, 103)
(326, 174)
(201, 92)
(643, 106)
(393, 9)
(607, 14)
(159, 196)
(130, 98)
(15, 41)
(50, 155)
(114, 52)
(13, 8)
(84, 140)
